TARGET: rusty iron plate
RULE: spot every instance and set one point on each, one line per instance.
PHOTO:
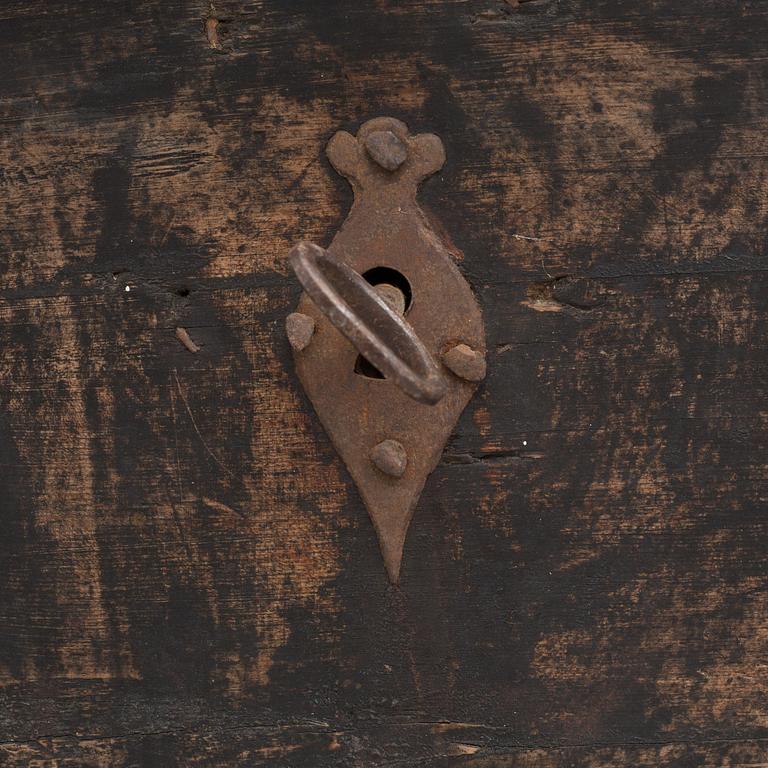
(389, 441)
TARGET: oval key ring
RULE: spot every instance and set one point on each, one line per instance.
(374, 329)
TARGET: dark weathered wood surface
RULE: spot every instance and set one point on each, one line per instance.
(187, 576)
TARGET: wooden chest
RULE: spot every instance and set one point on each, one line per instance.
(188, 574)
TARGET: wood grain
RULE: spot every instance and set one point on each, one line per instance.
(188, 576)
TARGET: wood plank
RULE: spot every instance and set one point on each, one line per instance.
(188, 575)
(438, 745)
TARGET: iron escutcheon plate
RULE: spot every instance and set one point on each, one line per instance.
(368, 418)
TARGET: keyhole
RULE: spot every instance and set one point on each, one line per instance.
(384, 276)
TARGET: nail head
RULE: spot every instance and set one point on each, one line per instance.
(386, 149)
(390, 458)
(465, 362)
(300, 328)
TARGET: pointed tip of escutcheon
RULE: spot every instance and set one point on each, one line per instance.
(392, 564)
(392, 553)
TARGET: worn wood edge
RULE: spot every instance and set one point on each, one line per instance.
(316, 744)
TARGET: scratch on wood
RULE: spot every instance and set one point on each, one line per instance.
(194, 424)
(220, 507)
(540, 304)
(563, 293)
(167, 231)
(183, 336)
(212, 32)
(531, 239)
(176, 445)
(465, 749)
(302, 175)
